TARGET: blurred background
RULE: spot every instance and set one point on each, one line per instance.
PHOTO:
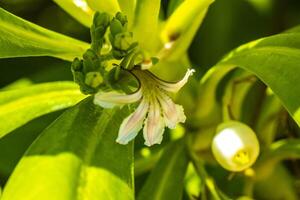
(228, 24)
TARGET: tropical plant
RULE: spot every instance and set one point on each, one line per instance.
(219, 132)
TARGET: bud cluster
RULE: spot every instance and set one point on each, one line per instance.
(91, 72)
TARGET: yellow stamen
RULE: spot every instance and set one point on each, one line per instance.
(242, 157)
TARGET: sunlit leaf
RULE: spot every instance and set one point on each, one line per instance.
(18, 106)
(182, 25)
(275, 60)
(76, 158)
(146, 23)
(110, 6)
(20, 38)
(79, 9)
(166, 179)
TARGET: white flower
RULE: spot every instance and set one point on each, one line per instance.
(155, 111)
(235, 146)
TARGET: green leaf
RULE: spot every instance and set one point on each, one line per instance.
(166, 179)
(146, 23)
(275, 60)
(128, 8)
(20, 38)
(78, 9)
(280, 184)
(18, 106)
(172, 5)
(283, 149)
(76, 158)
(182, 25)
(277, 152)
(110, 6)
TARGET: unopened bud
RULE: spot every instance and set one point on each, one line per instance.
(93, 79)
(116, 27)
(123, 41)
(77, 65)
(122, 18)
(90, 61)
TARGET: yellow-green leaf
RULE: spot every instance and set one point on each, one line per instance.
(20, 38)
(18, 106)
(76, 158)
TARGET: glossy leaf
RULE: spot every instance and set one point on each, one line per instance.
(18, 106)
(78, 9)
(20, 38)
(166, 179)
(76, 158)
(275, 60)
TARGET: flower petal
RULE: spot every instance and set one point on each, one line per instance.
(111, 99)
(173, 113)
(174, 87)
(132, 124)
(154, 125)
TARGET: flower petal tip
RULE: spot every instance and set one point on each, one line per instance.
(191, 71)
(120, 141)
(149, 144)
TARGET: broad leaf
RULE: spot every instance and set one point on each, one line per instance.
(18, 106)
(76, 158)
(78, 9)
(166, 179)
(275, 60)
(20, 38)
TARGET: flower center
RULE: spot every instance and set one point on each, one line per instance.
(242, 157)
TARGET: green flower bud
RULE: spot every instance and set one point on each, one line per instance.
(122, 18)
(93, 79)
(129, 60)
(90, 61)
(100, 24)
(78, 77)
(116, 27)
(76, 65)
(123, 41)
(101, 19)
(235, 146)
(117, 54)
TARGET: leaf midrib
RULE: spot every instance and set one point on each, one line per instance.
(92, 144)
